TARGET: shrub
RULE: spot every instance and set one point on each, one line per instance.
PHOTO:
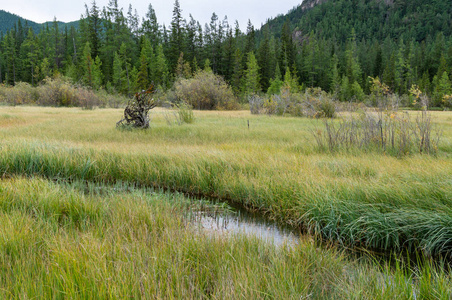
(206, 91)
(58, 91)
(21, 93)
(313, 103)
(256, 103)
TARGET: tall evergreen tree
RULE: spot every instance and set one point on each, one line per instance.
(287, 46)
(87, 65)
(32, 51)
(9, 46)
(176, 41)
(252, 85)
(94, 28)
(264, 60)
(150, 27)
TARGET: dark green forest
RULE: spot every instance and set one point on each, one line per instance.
(9, 21)
(335, 45)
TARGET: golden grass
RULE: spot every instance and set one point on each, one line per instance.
(59, 242)
(273, 166)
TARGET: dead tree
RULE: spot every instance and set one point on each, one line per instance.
(136, 111)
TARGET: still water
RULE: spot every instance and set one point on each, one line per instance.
(235, 221)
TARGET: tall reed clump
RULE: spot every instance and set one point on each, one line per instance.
(390, 132)
(182, 113)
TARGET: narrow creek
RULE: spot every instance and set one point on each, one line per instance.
(213, 216)
(238, 221)
(222, 218)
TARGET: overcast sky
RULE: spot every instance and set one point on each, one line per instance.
(258, 11)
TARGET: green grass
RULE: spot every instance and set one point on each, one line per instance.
(114, 242)
(390, 203)
(359, 199)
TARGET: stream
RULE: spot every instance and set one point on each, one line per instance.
(237, 221)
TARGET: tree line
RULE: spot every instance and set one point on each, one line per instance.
(123, 52)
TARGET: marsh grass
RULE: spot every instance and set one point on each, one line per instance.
(63, 240)
(391, 132)
(358, 199)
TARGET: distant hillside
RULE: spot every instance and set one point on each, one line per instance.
(371, 19)
(9, 20)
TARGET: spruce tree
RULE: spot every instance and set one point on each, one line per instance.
(87, 65)
(252, 78)
(264, 60)
(176, 39)
(151, 28)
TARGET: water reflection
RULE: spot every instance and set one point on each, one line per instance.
(240, 222)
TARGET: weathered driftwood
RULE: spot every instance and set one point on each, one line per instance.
(136, 111)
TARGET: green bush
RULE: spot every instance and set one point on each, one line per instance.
(206, 91)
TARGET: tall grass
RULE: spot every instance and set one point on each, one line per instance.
(68, 241)
(357, 199)
(390, 132)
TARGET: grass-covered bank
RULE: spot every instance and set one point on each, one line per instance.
(362, 198)
(69, 241)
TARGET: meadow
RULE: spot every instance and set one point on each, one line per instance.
(137, 244)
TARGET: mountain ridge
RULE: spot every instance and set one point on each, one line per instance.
(9, 20)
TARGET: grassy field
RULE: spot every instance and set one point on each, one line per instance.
(359, 198)
(75, 241)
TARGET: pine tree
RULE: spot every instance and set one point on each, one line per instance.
(148, 52)
(264, 60)
(124, 54)
(32, 51)
(290, 81)
(161, 68)
(250, 38)
(87, 65)
(97, 73)
(143, 75)
(378, 66)
(133, 21)
(252, 78)
(275, 83)
(229, 49)
(236, 80)
(335, 80)
(118, 73)
(287, 58)
(151, 28)
(176, 40)
(94, 28)
(442, 87)
(9, 46)
(352, 66)
(190, 40)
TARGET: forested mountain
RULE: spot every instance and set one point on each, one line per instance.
(332, 44)
(9, 21)
(371, 19)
